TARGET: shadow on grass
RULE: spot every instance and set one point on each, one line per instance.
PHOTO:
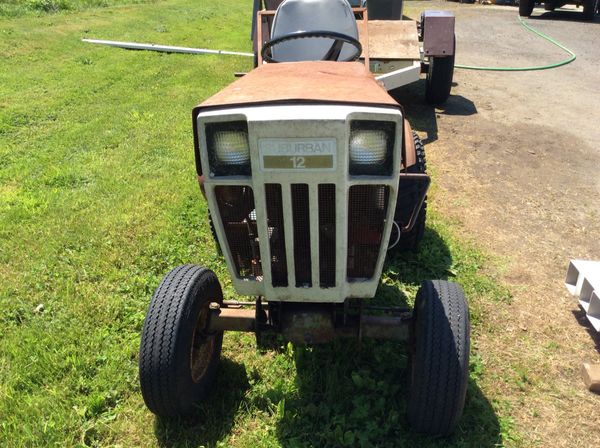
(215, 416)
(351, 395)
(432, 261)
(348, 396)
(423, 116)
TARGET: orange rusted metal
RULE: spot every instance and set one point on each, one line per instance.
(304, 82)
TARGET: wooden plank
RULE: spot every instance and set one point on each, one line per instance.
(390, 39)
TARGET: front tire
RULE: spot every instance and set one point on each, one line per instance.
(408, 194)
(178, 360)
(440, 358)
(526, 7)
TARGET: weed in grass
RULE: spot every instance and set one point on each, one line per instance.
(48, 5)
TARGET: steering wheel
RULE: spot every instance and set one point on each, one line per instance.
(332, 54)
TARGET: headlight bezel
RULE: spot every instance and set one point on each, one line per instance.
(385, 166)
(219, 166)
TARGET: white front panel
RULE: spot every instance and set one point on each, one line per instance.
(302, 131)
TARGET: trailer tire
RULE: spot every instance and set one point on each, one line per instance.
(526, 7)
(589, 9)
(440, 358)
(408, 193)
(439, 79)
(178, 360)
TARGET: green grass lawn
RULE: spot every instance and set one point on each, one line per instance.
(98, 200)
(15, 8)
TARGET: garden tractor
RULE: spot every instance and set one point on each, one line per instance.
(313, 176)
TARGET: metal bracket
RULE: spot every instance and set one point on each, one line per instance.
(426, 180)
(401, 77)
(438, 33)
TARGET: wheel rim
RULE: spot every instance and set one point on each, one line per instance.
(203, 347)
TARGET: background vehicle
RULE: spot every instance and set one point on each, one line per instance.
(308, 167)
(590, 7)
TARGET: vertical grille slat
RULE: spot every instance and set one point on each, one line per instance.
(237, 214)
(276, 232)
(301, 221)
(327, 236)
(367, 209)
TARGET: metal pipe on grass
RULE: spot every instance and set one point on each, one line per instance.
(165, 48)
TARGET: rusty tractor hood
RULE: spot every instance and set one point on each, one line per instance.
(303, 82)
(320, 82)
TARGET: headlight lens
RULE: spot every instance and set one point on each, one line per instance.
(228, 148)
(368, 147)
(371, 147)
(231, 147)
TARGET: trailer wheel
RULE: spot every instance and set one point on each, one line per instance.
(440, 358)
(439, 79)
(408, 194)
(589, 9)
(178, 360)
(526, 7)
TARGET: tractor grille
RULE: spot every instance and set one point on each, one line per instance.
(301, 220)
(238, 216)
(276, 232)
(367, 208)
(327, 235)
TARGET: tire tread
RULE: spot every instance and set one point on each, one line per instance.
(167, 312)
(440, 374)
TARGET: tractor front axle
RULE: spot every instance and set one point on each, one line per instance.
(310, 323)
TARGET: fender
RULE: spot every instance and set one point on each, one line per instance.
(409, 152)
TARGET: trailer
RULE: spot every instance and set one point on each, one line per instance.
(397, 51)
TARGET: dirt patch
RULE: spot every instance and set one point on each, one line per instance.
(515, 159)
(532, 205)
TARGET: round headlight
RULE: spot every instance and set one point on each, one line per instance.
(228, 148)
(368, 146)
(231, 147)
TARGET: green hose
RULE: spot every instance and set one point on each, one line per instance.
(571, 58)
